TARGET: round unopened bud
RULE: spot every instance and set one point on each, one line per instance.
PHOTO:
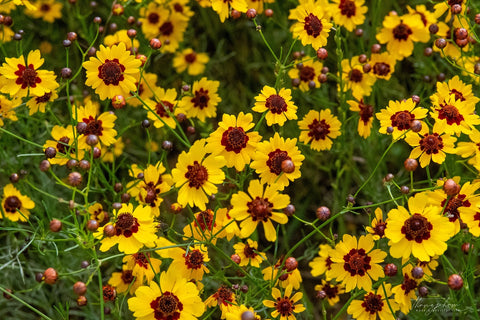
(417, 272)
(17, 36)
(125, 197)
(146, 123)
(367, 67)
(8, 297)
(191, 130)
(428, 52)
(283, 277)
(84, 164)
(289, 210)
(312, 84)
(404, 189)
(72, 36)
(416, 99)
(251, 13)
(322, 78)
(451, 187)
(376, 48)
(50, 152)
(74, 179)
(416, 125)
(410, 164)
(295, 82)
(455, 282)
(131, 20)
(14, 177)
(389, 129)
(82, 301)
(423, 291)
(291, 264)
(389, 177)
(236, 258)
(244, 288)
(72, 163)
(131, 33)
(118, 187)
(109, 231)
(92, 225)
(477, 18)
(55, 225)
(97, 20)
(39, 277)
(84, 264)
(440, 43)
(167, 145)
(66, 43)
(390, 270)
(236, 14)
(433, 28)
(66, 73)
(323, 213)
(350, 199)
(322, 53)
(7, 21)
(118, 102)
(81, 127)
(268, 12)
(466, 247)
(288, 166)
(155, 43)
(324, 70)
(117, 9)
(92, 139)
(362, 58)
(44, 165)
(79, 288)
(321, 294)
(441, 77)
(456, 8)
(247, 315)
(116, 205)
(50, 276)
(91, 51)
(461, 33)
(142, 58)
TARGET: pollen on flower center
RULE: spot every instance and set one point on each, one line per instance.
(275, 159)
(284, 306)
(455, 202)
(111, 72)
(126, 224)
(417, 228)
(196, 174)
(166, 307)
(62, 144)
(12, 203)
(27, 76)
(431, 143)
(161, 108)
(307, 73)
(127, 276)
(194, 259)
(450, 113)
(93, 126)
(402, 120)
(357, 262)
(166, 28)
(276, 104)
(355, 75)
(201, 98)
(313, 25)
(372, 303)
(260, 209)
(319, 129)
(234, 139)
(402, 31)
(381, 68)
(347, 8)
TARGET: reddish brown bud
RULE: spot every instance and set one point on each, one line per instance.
(417, 272)
(390, 270)
(117, 9)
(109, 231)
(155, 43)
(74, 179)
(322, 53)
(92, 225)
(82, 301)
(410, 164)
(235, 258)
(55, 225)
(455, 282)
(118, 102)
(50, 276)
(440, 43)
(376, 48)
(288, 166)
(251, 13)
(416, 125)
(323, 213)
(291, 264)
(451, 187)
(289, 210)
(269, 12)
(79, 288)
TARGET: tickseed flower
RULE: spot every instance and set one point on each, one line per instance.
(150, 19)
(134, 228)
(279, 105)
(190, 263)
(180, 6)
(399, 115)
(47, 10)
(191, 61)
(284, 305)
(248, 253)
(405, 292)
(462, 205)
(270, 159)
(400, 33)
(210, 226)
(319, 128)
(203, 101)
(421, 231)
(455, 47)
(457, 87)
(307, 73)
(378, 225)
(426, 16)
(355, 79)
(258, 4)
(163, 106)
(15, 206)
(383, 65)
(63, 138)
(374, 305)
(455, 113)
(121, 36)
(142, 265)
(112, 72)
(431, 146)
(365, 121)
(261, 204)
(323, 263)
(348, 13)
(197, 174)
(21, 77)
(355, 264)
(312, 27)
(175, 298)
(427, 266)
(110, 153)
(7, 108)
(237, 311)
(147, 190)
(6, 34)
(332, 291)
(36, 104)
(97, 212)
(171, 30)
(99, 125)
(223, 7)
(145, 88)
(282, 276)
(232, 141)
(125, 281)
(224, 298)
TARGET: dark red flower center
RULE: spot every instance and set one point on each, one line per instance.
(276, 104)
(94, 126)
(372, 303)
(126, 225)
(431, 143)
(306, 73)
(224, 296)
(366, 111)
(11, 204)
(166, 28)
(127, 276)
(319, 130)
(153, 18)
(161, 108)
(178, 7)
(284, 306)
(196, 175)
(402, 31)
(408, 284)
(191, 57)
(109, 293)
(355, 75)
(111, 72)
(328, 263)
(45, 7)
(455, 202)
(402, 120)
(330, 291)
(62, 144)
(275, 159)
(312, 25)
(452, 2)
(260, 209)
(234, 139)
(141, 259)
(193, 259)
(249, 252)
(381, 68)
(450, 113)
(152, 193)
(27, 76)
(380, 228)
(200, 99)
(204, 220)
(357, 262)
(476, 217)
(43, 99)
(347, 8)
(166, 307)
(417, 228)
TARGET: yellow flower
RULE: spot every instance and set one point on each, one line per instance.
(163, 107)
(365, 121)
(196, 175)
(210, 226)
(279, 106)
(270, 156)
(171, 30)
(458, 88)
(311, 27)
(63, 140)
(142, 265)
(7, 108)
(15, 206)
(348, 13)
(374, 305)
(36, 104)
(98, 213)
(232, 141)
(6, 34)
(383, 65)
(355, 79)
(282, 277)
(237, 312)
(223, 7)
(203, 101)
(112, 72)
(318, 128)
(422, 231)
(356, 263)
(248, 253)
(224, 298)
(121, 36)
(21, 77)
(285, 306)
(150, 18)
(125, 281)
(405, 292)
(400, 33)
(377, 230)
(190, 263)
(175, 298)
(307, 74)
(99, 125)
(113, 151)
(323, 263)
(332, 291)
(145, 88)
(259, 205)
(191, 61)
(47, 10)
(133, 228)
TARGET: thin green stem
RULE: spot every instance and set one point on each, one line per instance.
(25, 304)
